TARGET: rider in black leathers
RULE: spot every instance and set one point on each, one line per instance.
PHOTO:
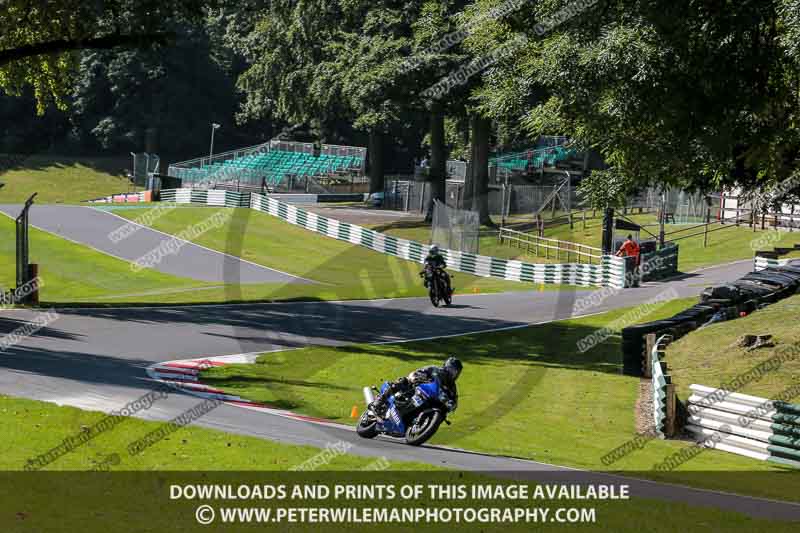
(446, 375)
(435, 260)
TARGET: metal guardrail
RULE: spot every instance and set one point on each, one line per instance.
(543, 245)
(663, 390)
(222, 156)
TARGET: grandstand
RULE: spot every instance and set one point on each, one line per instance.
(276, 165)
(535, 158)
(548, 152)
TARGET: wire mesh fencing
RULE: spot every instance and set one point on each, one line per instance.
(455, 229)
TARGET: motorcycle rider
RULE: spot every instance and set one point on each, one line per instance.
(435, 260)
(446, 375)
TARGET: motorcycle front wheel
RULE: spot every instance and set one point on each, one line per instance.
(433, 293)
(424, 427)
(367, 426)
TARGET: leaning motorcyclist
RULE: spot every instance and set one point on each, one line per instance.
(446, 375)
(435, 260)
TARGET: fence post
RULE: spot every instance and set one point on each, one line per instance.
(649, 342)
(670, 429)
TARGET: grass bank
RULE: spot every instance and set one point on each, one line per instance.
(710, 356)
(64, 179)
(31, 428)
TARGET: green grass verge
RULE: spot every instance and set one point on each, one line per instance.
(724, 246)
(72, 272)
(523, 394)
(31, 428)
(64, 179)
(710, 357)
(199, 455)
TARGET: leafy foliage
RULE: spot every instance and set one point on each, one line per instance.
(38, 39)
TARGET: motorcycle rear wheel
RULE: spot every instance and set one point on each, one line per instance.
(428, 422)
(367, 426)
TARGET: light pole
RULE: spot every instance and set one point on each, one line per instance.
(214, 127)
(133, 178)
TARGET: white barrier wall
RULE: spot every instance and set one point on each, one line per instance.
(760, 428)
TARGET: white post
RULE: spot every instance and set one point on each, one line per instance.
(214, 127)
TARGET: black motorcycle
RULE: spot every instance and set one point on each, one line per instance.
(438, 282)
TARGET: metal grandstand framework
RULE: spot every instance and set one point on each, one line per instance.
(274, 165)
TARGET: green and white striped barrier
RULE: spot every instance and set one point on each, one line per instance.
(213, 197)
(610, 272)
(764, 429)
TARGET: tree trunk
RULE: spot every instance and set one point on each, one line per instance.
(480, 168)
(438, 163)
(376, 168)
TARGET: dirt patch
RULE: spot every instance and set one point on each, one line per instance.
(644, 409)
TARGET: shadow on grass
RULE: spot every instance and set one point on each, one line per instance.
(529, 353)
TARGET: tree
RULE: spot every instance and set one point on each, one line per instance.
(40, 39)
(697, 94)
(158, 99)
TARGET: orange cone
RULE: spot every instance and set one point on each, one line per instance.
(476, 290)
(354, 412)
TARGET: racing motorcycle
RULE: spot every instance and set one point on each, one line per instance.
(415, 414)
(437, 285)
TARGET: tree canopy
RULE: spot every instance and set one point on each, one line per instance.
(694, 93)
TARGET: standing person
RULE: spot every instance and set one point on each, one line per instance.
(630, 250)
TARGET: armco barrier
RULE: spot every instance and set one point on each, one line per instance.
(760, 428)
(664, 401)
(610, 272)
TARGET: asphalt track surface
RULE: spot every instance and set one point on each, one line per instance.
(96, 359)
(93, 227)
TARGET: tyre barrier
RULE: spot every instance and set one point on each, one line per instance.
(760, 428)
(609, 273)
(747, 294)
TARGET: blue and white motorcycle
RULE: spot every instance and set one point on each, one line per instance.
(414, 415)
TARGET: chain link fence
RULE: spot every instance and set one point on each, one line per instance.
(144, 166)
(455, 229)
